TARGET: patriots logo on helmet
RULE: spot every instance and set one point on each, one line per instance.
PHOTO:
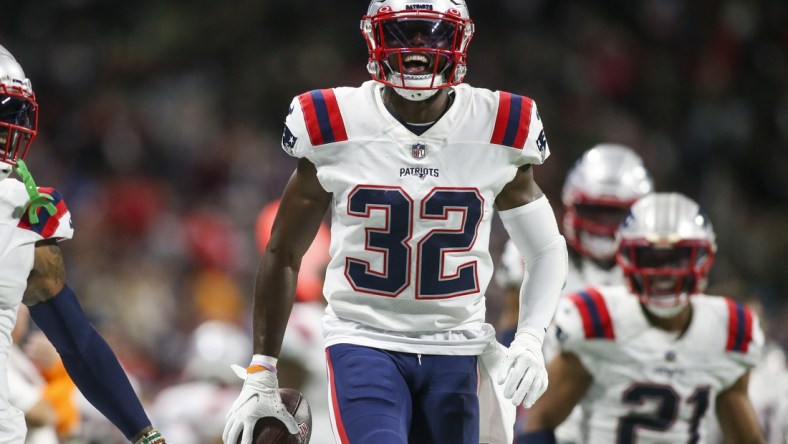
(423, 6)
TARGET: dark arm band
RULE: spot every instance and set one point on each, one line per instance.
(90, 362)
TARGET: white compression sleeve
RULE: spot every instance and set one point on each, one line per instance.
(533, 229)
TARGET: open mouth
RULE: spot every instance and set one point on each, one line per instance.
(416, 64)
(663, 286)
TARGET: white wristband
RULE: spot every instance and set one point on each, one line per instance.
(268, 362)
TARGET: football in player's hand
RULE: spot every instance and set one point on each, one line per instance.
(272, 431)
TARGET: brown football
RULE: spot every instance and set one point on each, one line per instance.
(272, 431)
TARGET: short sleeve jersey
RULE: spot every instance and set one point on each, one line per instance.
(649, 385)
(411, 214)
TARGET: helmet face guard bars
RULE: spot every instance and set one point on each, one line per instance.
(417, 49)
(18, 124)
(661, 276)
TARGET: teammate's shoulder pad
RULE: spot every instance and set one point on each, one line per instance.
(594, 313)
(57, 225)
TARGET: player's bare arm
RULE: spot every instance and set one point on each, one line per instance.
(569, 381)
(303, 206)
(736, 415)
(520, 191)
(48, 275)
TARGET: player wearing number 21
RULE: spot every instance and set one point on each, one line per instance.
(652, 360)
(412, 165)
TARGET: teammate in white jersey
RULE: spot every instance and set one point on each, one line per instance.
(597, 193)
(412, 165)
(650, 361)
(32, 221)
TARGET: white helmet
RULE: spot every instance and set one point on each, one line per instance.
(597, 194)
(18, 113)
(666, 247)
(417, 47)
(213, 347)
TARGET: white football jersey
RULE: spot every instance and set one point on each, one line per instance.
(649, 385)
(768, 390)
(411, 215)
(17, 245)
(581, 274)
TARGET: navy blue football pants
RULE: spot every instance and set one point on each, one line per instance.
(385, 397)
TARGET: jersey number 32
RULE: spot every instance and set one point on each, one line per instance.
(396, 242)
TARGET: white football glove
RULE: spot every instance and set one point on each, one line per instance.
(523, 370)
(259, 398)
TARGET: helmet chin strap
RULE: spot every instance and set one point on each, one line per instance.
(668, 311)
(416, 95)
(598, 247)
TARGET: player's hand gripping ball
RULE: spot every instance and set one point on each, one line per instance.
(270, 430)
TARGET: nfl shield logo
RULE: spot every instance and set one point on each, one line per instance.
(418, 150)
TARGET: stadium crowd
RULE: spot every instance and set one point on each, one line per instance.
(161, 124)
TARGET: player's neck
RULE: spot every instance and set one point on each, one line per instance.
(678, 323)
(425, 111)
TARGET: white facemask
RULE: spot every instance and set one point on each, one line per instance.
(598, 247)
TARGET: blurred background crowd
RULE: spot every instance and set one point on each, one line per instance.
(161, 120)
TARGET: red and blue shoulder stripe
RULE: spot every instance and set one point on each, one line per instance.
(739, 327)
(512, 121)
(597, 323)
(322, 116)
(47, 224)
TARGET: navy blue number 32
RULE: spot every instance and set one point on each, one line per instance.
(395, 242)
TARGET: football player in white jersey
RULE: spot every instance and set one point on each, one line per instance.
(32, 221)
(768, 387)
(412, 165)
(597, 193)
(651, 360)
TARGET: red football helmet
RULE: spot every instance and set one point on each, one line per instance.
(18, 113)
(666, 247)
(417, 47)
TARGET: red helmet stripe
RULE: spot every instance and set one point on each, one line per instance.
(322, 116)
(739, 327)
